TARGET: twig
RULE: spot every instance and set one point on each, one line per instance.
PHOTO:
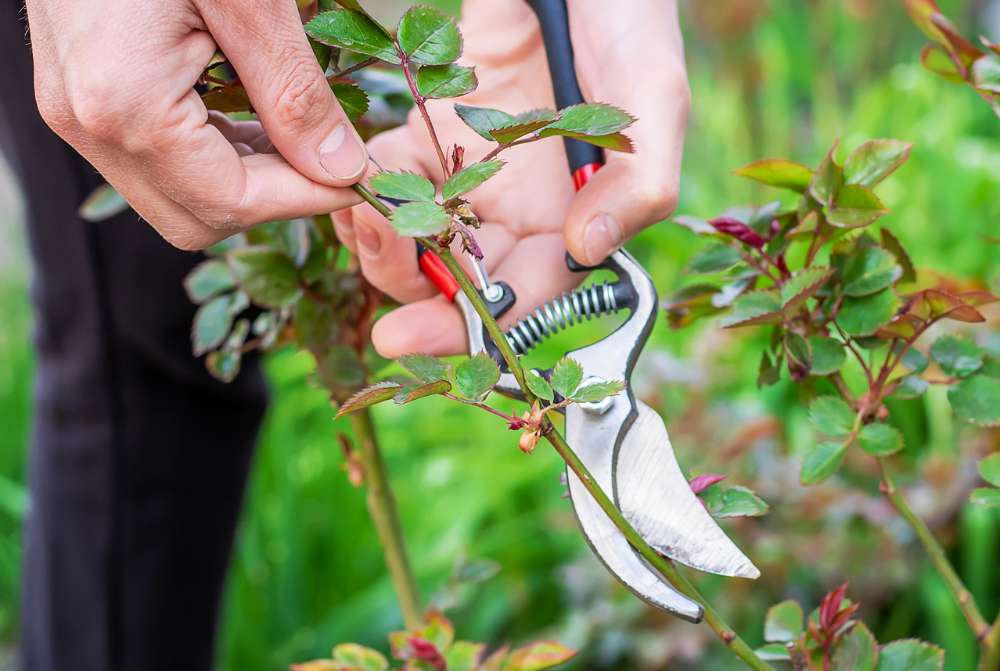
(385, 516)
(421, 104)
(353, 68)
(962, 595)
(990, 660)
(857, 355)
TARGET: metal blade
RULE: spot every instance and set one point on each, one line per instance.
(656, 498)
(593, 438)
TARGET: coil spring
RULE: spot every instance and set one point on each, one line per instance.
(560, 313)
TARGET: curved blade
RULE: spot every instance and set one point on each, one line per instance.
(593, 440)
(656, 498)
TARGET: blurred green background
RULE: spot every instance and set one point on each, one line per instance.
(769, 78)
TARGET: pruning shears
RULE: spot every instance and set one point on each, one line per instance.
(621, 440)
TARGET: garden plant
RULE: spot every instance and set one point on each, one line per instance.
(848, 318)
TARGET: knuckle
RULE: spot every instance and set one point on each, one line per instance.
(659, 197)
(302, 98)
(97, 105)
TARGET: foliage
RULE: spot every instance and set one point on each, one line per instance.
(832, 639)
(433, 648)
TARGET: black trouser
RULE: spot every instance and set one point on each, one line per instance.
(138, 458)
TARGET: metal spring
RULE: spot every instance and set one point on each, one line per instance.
(560, 313)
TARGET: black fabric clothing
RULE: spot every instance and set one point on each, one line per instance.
(138, 458)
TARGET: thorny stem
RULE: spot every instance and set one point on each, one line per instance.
(385, 516)
(980, 629)
(353, 68)
(421, 104)
(665, 566)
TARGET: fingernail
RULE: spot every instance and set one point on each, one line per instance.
(342, 154)
(602, 236)
(369, 241)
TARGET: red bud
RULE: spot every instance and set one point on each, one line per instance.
(738, 230)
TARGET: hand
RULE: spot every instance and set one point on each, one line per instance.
(627, 54)
(115, 79)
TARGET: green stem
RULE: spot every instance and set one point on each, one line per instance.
(990, 661)
(961, 593)
(665, 566)
(385, 516)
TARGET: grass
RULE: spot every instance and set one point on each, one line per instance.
(307, 571)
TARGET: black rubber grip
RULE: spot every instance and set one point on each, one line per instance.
(554, 20)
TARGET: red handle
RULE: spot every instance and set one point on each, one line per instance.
(583, 174)
(434, 269)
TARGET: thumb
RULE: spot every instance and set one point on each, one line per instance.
(620, 200)
(266, 44)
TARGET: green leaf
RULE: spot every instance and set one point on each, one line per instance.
(446, 81)
(429, 37)
(352, 30)
(102, 203)
(914, 360)
(223, 364)
(417, 391)
(539, 386)
(779, 173)
(911, 386)
(958, 357)
(986, 73)
(797, 350)
(855, 206)
(469, 178)
(989, 468)
(269, 277)
(464, 656)
(341, 371)
(988, 497)
(353, 100)
(360, 657)
(476, 376)
(566, 377)
(714, 259)
(880, 440)
(936, 59)
(316, 326)
(870, 269)
(612, 141)
(737, 501)
(892, 243)
(756, 307)
(831, 416)
(977, 400)
(828, 355)
(828, 178)
(910, 655)
(538, 656)
(208, 278)
(591, 119)
(483, 119)
(524, 123)
(418, 219)
(211, 324)
(822, 462)
(425, 367)
(802, 285)
(863, 316)
(773, 652)
(376, 393)
(403, 186)
(856, 651)
(783, 622)
(598, 390)
(875, 160)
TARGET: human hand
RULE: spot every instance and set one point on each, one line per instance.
(627, 54)
(115, 79)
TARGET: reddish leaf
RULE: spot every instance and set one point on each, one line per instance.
(830, 606)
(977, 298)
(905, 326)
(963, 48)
(842, 617)
(428, 652)
(738, 230)
(936, 304)
(702, 482)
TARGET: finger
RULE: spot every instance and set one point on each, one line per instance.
(633, 190)
(535, 269)
(343, 225)
(265, 43)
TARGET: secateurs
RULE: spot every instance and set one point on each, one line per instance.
(621, 440)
